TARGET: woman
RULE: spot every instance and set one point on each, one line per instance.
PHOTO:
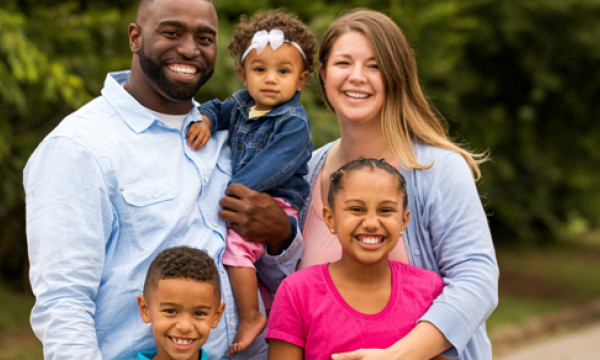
(369, 80)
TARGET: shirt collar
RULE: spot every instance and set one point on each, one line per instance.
(134, 114)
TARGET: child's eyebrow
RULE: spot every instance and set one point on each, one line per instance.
(168, 304)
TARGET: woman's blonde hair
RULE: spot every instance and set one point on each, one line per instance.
(406, 115)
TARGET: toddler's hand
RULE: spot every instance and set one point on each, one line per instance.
(198, 134)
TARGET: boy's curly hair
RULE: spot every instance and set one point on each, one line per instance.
(293, 29)
(183, 262)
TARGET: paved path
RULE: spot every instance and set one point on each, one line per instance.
(583, 343)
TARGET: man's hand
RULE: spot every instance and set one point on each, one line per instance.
(198, 133)
(256, 217)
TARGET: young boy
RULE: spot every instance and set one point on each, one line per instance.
(182, 301)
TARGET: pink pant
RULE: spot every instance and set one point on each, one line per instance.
(240, 252)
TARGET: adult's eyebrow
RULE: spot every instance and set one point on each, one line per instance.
(201, 28)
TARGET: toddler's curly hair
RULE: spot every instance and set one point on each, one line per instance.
(293, 29)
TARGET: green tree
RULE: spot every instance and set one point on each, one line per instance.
(50, 61)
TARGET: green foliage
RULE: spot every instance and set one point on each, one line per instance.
(52, 60)
(517, 78)
(530, 92)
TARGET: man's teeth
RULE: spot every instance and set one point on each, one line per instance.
(183, 69)
(370, 240)
(356, 95)
(181, 341)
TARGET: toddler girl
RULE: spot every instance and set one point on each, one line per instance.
(362, 300)
(269, 135)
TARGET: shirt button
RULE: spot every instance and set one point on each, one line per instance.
(154, 195)
(239, 145)
(230, 322)
(121, 188)
(417, 252)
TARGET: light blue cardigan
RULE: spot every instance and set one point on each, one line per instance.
(449, 234)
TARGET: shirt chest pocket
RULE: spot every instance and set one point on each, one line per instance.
(151, 212)
(251, 143)
(149, 192)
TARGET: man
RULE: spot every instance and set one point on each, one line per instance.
(115, 183)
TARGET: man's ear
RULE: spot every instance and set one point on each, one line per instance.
(135, 37)
(143, 308)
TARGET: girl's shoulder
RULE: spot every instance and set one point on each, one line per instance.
(413, 272)
(419, 279)
(301, 277)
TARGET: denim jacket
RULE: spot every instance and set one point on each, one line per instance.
(270, 152)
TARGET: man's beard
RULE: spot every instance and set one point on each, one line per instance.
(177, 92)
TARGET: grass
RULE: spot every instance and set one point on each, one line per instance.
(17, 340)
(513, 309)
(534, 282)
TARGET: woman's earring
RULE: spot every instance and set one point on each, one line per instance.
(332, 231)
(401, 232)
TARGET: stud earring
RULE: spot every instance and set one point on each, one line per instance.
(332, 231)
(401, 232)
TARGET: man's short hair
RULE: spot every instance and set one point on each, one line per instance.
(183, 262)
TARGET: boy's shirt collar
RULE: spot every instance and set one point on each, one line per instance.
(149, 355)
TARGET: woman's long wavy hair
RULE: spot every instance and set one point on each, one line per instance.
(406, 115)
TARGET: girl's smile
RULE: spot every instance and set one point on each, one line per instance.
(368, 215)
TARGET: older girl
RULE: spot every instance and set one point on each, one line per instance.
(362, 299)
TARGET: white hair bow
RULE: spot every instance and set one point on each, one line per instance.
(275, 38)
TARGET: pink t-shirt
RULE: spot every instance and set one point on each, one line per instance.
(320, 245)
(309, 312)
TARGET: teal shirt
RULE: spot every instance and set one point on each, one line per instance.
(148, 355)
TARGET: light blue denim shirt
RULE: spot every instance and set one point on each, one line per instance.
(106, 191)
(447, 233)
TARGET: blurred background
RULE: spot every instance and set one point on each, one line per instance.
(520, 79)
